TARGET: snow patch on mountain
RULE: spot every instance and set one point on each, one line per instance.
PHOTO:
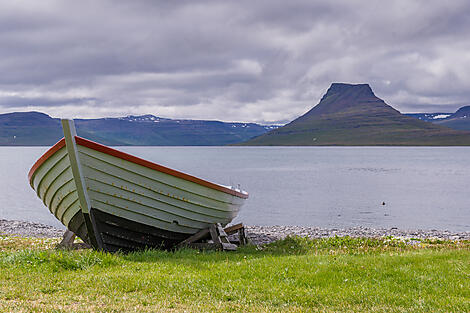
(440, 116)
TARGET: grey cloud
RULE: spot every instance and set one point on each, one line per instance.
(18, 102)
(265, 61)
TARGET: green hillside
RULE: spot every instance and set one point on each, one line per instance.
(352, 115)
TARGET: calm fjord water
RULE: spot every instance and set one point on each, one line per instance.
(422, 187)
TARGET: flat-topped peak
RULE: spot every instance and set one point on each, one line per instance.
(356, 89)
(350, 114)
(348, 85)
(342, 96)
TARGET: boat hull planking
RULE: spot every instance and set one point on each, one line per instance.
(135, 204)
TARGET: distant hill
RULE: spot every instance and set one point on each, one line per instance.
(459, 120)
(35, 128)
(352, 115)
(29, 129)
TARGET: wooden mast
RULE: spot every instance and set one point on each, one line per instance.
(70, 133)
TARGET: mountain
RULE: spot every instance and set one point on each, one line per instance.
(35, 128)
(29, 129)
(352, 115)
(459, 120)
(463, 112)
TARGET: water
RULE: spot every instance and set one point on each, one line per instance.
(422, 187)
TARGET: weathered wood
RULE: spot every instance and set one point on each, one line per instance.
(203, 246)
(229, 246)
(233, 229)
(240, 229)
(222, 235)
(214, 235)
(202, 234)
(242, 237)
(212, 246)
(218, 239)
(70, 134)
(67, 240)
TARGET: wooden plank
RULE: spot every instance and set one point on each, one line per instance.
(214, 234)
(228, 246)
(211, 246)
(143, 176)
(59, 145)
(218, 236)
(242, 237)
(70, 134)
(203, 246)
(240, 229)
(97, 179)
(196, 237)
(67, 240)
(153, 166)
(233, 229)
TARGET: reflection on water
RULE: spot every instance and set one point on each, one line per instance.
(422, 187)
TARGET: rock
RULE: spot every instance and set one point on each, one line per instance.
(28, 229)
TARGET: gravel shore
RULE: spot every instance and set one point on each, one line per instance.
(28, 229)
(259, 234)
(266, 234)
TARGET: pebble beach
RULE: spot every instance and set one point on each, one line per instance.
(267, 234)
(260, 235)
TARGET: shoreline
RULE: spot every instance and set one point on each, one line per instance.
(259, 234)
(267, 234)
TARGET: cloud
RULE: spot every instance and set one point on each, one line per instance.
(264, 61)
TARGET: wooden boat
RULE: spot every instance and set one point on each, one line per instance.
(116, 201)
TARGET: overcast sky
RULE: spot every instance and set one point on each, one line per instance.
(251, 61)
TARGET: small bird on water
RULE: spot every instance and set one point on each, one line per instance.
(383, 203)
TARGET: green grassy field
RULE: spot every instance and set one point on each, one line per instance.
(293, 275)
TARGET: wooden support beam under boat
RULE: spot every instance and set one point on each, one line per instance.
(70, 133)
(240, 229)
(218, 236)
(230, 230)
(200, 235)
(67, 240)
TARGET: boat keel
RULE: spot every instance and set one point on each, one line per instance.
(115, 233)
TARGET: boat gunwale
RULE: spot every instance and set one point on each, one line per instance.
(133, 159)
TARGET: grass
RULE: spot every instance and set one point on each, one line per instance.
(292, 275)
